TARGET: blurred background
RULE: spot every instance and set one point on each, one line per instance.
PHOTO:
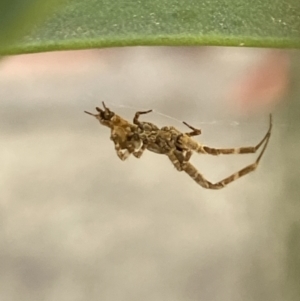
(79, 224)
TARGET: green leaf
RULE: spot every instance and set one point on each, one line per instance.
(105, 23)
(18, 16)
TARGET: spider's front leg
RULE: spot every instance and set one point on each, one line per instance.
(146, 130)
(104, 122)
(125, 141)
(123, 154)
(136, 118)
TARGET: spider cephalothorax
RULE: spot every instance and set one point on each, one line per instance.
(122, 132)
(106, 117)
(177, 146)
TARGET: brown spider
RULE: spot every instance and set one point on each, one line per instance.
(178, 146)
(122, 132)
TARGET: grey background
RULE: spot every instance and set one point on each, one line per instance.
(79, 224)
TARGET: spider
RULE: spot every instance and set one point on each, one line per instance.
(135, 138)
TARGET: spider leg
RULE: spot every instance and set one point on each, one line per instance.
(123, 150)
(104, 106)
(175, 161)
(184, 141)
(106, 109)
(101, 120)
(194, 145)
(137, 115)
(97, 116)
(90, 113)
(139, 153)
(122, 154)
(195, 131)
(179, 158)
(199, 178)
(182, 164)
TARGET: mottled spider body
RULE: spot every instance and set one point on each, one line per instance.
(162, 140)
(177, 146)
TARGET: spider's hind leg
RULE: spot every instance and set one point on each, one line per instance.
(238, 150)
(198, 177)
(184, 141)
